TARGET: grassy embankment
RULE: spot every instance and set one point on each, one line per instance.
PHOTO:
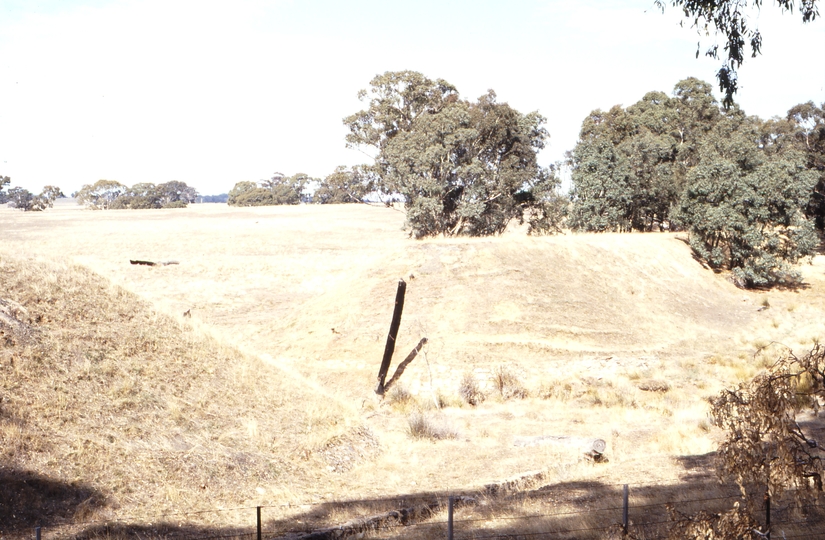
(124, 408)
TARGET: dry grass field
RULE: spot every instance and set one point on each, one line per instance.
(120, 408)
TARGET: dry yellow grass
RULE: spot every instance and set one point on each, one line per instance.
(583, 321)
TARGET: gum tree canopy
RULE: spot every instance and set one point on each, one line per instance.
(732, 19)
(463, 167)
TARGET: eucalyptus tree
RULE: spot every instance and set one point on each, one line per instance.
(462, 167)
(744, 204)
(101, 194)
(808, 129)
(733, 20)
(344, 185)
(23, 199)
(4, 181)
(630, 166)
(277, 190)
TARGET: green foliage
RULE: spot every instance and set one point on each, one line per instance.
(344, 186)
(743, 187)
(629, 166)
(101, 194)
(462, 167)
(4, 181)
(730, 18)
(743, 205)
(108, 194)
(279, 189)
(807, 129)
(23, 199)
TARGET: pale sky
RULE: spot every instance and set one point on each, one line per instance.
(212, 93)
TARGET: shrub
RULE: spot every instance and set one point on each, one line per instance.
(469, 390)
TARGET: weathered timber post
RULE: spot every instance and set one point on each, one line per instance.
(259, 523)
(768, 514)
(450, 503)
(390, 347)
(625, 498)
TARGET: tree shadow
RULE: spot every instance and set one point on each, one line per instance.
(572, 509)
(29, 500)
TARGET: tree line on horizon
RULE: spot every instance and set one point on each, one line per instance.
(750, 192)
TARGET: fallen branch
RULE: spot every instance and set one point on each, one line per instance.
(403, 365)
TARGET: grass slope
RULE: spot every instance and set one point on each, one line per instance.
(109, 407)
(622, 337)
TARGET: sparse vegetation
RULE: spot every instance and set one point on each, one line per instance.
(311, 405)
(470, 391)
(508, 383)
(430, 426)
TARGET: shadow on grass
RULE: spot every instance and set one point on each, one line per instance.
(29, 500)
(580, 510)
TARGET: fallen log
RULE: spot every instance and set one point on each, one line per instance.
(152, 263)
(587, 445)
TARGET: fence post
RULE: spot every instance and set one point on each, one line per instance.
(625, 498)
(394, 325)
(768, 514)
(450, 518)
(37, 533)
(259, 523)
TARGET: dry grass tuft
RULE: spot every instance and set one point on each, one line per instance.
(470, 391)
(508, 384)
(428, 426)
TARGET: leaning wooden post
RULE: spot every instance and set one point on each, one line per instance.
(624, 510)
(390, 347)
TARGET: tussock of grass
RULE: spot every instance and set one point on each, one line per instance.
(508, 383)
(470, 391)
(425, 426)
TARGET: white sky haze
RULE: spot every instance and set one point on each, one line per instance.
(212, 93)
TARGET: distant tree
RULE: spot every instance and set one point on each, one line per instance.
(175, 194)
(289, 190)
(240, 191)
(744, 205)
(462, 167)
(100, 195)
(732, 19)
(142, 196)
(4, 181)
(51, 194)
(345, 185)
(278, 190)
(23, 199)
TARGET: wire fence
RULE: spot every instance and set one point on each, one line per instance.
(469, 519)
